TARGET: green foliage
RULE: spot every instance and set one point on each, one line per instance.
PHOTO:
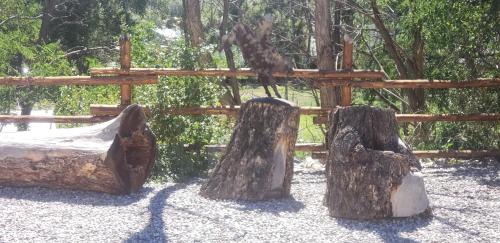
(76, 100)
(173, 132)
(460, 43)
(21, 56)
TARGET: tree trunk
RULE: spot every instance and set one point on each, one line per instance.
(193, 23)
(369, 169)
(330, 97)
(233, 82)
(114, 157)
(26, 104)
(408, 67)
(48, 14)
(258, 162)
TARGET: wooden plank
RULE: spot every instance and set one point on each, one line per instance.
(459, 154)
(417, 83)
(433, 117)
(321, 155)
(77, 80)
(205, 110)
(309, 147)
(105, 110)
(125, 94)
(125, 64)
(52, 119)
(233, 111)
(318, 120)
(447, 117)
(112, 110)
(346, 92)
(433, 154)
(303, 147)
(244, 72)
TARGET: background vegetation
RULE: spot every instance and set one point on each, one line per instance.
(433, 39)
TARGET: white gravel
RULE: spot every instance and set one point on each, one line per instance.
(465, 201)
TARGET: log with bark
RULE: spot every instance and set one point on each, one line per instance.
(113, 157)
(370, 172)
(258, 162)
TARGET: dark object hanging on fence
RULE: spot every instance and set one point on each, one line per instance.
(258, 51)
(258, 162)
(113, 157)
(370, 172)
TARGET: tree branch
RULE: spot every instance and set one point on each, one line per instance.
(392, 47)
(85, 50)
(385, 100)
(18, 17)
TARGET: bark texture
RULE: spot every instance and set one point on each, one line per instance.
(258, 162)
(409, 67)
(193, 23)
(330, 97)
(114, 157)
(366, 164)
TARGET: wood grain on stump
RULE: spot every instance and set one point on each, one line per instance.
(367, 165)
(114, 157)
(258, 162)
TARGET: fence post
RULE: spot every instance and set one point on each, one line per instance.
(125, 63)
(346, 96)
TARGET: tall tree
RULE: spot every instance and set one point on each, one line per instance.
(232, 81)
(192, 21)
(409, 66)
(330, 97)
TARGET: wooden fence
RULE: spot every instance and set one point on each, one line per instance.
(127, 77)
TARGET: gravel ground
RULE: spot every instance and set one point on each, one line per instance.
(465, 201)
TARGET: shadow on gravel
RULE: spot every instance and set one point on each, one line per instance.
(483, 174)
(155, 230)
(274, 206)
(40, 194)
(388, 229)
(310, 172)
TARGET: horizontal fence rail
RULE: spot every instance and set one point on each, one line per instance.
(77, 80)
(52, 119)
(107, 110)
(413, 84)
(110, 110)
(126, 77)
(319, 151)
(243, 72)
(302, 147)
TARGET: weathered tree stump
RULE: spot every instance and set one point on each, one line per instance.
(114, 157)
(369, 169)
(258, 162)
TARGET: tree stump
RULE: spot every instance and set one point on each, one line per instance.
(369, 169)
(258, 162)
(114, 157)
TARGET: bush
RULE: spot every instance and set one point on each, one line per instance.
(175, 132)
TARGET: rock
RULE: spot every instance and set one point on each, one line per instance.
(409, 198)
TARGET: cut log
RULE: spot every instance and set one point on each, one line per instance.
(114, 157)
(258, 162)
(369, 169)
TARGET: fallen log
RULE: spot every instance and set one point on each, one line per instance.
(113, 157)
